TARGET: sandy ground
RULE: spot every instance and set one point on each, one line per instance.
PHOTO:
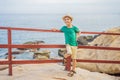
(51, 71)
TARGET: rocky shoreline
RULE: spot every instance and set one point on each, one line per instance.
(82, 40)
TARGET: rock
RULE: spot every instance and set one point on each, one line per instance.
(52, 71)
(83, 40)
(61, 52)
(32, 43)
(16, 52)
(106, 41)
(45, 54)
(3, 67)
(13, 57)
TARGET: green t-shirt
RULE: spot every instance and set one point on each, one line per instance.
(70, 35)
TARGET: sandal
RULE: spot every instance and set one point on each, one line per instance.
(71, 73)
(74, 71)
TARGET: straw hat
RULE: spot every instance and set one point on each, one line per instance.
(69, 16)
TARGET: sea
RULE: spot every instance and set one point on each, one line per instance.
(85, 22)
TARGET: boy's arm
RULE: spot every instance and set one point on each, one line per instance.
(78, 34)
(55, 29)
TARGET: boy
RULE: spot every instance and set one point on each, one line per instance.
(71, 32)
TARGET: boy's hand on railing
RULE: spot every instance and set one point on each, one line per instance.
(55, 29)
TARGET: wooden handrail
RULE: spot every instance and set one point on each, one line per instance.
(4, 62)
(44, 30)
(10, 46)
(56, 46)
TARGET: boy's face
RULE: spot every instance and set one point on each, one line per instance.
(67, 20)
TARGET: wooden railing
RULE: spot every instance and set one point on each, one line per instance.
(10, 61)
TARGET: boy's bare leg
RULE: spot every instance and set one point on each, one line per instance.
(74, 64)
(66, 55)
(72, 71)
(64, 59)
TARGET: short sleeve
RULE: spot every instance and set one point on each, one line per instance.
(62, 29)
(76, 29)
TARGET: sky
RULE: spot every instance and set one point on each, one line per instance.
(60, 6)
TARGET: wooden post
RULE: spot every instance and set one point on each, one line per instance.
(68, 63)
(10, 51)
